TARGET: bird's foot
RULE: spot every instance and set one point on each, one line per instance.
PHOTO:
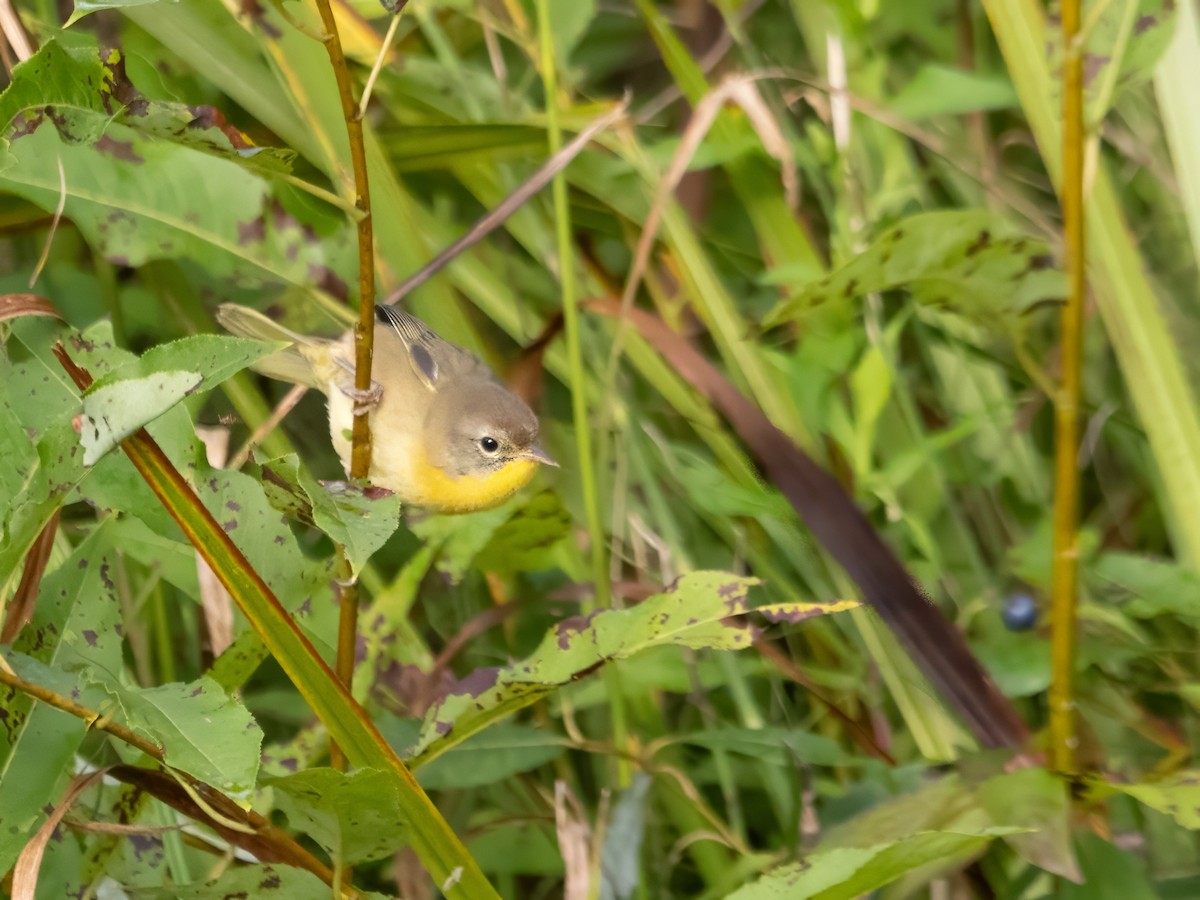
(364, 401)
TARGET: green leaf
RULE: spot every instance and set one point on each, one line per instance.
(417, 148)
(136, 199)
(938, 826)
(258, 881)
(939, 90)
(459, 539)
(518, 848)
(113, 412)
(1019, 661)
(1177, 795)
(1151, 587)
(776, 746)
(527, 540)
(1109, 873)
(1038, 800)
(360, 519)
(19, 454)
(214, 357)
(202, 730)
(569, 19)
(76, 624)
(47, 458)
(47, 483)
(969, 261)
(437, 846)
(871, 385)
(491, 757)
(354, 817)
(172, 558)
(702, 609)
(843, 873)
(83, 90)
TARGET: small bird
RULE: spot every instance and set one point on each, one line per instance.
(445, 435)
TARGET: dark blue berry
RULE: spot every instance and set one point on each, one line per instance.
(1020, 612)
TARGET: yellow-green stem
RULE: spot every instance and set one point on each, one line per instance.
(91, 716)
(1064, 589)
(364, 338)
(566, 263)
(583, 439)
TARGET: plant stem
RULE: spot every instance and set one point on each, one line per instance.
(566, 262)
(583, 440)
(1064, 587)
(364, 340)
(90, 716)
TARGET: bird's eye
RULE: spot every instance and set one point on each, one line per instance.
(489, 444)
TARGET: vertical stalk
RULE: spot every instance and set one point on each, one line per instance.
(579, 412)
(1064, 585)
(364, 341)
(566, 263)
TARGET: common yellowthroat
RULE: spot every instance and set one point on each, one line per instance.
(445, 435)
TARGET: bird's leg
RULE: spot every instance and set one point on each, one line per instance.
(364, 401)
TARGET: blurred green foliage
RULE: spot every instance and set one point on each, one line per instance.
(157, 159)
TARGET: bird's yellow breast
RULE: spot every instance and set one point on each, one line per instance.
(432, 488)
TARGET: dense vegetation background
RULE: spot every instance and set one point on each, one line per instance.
(863, 236)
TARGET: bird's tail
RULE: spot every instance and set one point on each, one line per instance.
(293, 364)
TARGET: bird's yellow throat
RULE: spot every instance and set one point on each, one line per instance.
(470, 493)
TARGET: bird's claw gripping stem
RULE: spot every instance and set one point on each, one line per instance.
(364, 401)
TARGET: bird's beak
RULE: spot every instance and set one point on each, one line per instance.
(537, 454)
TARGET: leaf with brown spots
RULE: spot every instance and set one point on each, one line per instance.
(1177, 795)
(1123, 43)
(146, 180)
(81, 91)
(244, 882)
(37, 743)
(359, 519)
(701, 610)
(112, 412)
(353, 816)
(970, 262)
(203, 730)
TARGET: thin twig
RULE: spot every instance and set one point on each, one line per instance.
(711, 59)
(91, 716)
(364, 340)
(384, 49)
(58, 214)
(282, 408)
(496, 216)
(741, 90)
(789, 669)
(1064, 584)
(364, 332)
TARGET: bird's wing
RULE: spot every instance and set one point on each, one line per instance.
(305, 362)
(431, 356)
